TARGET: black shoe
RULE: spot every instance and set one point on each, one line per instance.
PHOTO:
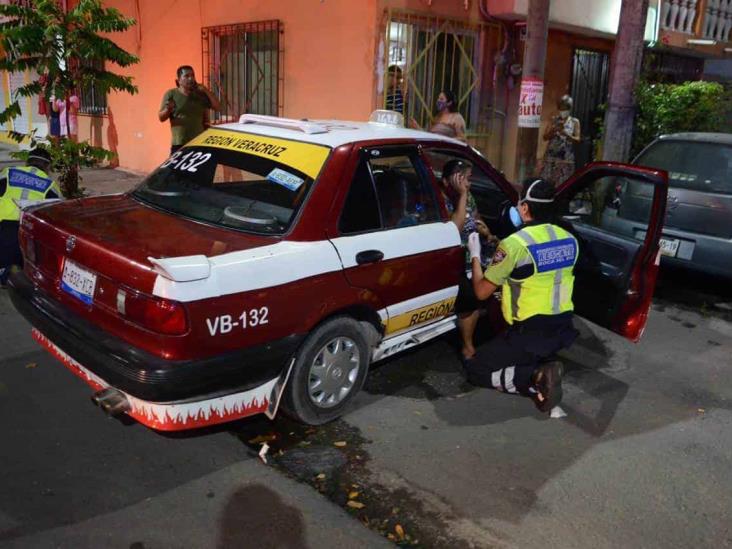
(547, 385)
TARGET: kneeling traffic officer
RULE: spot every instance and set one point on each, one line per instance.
(534, 267)
(30, 182)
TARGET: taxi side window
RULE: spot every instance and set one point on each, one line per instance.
(361, 210)
(489, 197)
(388, 192)
(405, 195)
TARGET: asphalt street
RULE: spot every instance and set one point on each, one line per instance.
(641, 460)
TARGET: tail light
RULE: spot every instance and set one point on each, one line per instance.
(159, 315)
(29, 249)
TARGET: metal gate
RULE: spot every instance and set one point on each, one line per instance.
(589, 91)
(437, 53)
(243, 65)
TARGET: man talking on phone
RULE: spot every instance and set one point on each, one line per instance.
(185, 106)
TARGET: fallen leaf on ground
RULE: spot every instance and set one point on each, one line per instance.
(321, 476)
(31, 365)
(392, 537)
(700, 410)
(340, 443)
(355, 504)
(263, 438)
(352, 495)
(399, 531)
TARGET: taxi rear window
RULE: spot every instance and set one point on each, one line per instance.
(236, 180)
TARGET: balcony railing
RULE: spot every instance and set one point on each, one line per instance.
(679, 15)
(708, 19)
(717, 20)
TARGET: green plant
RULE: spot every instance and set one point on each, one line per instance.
(671, 108)
(66, 48)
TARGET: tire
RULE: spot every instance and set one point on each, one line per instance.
(337, 355)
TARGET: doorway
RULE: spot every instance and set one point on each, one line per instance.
(590, 73)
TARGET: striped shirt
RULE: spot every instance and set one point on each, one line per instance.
(395, 101)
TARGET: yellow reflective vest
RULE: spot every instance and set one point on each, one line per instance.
(24, 183)
(552, 252)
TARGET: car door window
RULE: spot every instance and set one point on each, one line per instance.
(361, 209)
(610, 210)
(478, 178)
(389, 191)
(406, 197)
(489, 198)
(705, 167)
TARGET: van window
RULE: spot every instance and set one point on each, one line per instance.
(705, 167)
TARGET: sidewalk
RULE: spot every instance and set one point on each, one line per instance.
(95, 181)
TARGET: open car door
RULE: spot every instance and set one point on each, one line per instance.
(615, 274)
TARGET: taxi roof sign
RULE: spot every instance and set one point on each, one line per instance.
(387, 118)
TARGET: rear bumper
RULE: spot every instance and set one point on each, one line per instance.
(104, 360)
(698, 252)
(179, 416)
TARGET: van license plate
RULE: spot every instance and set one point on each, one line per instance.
(78, 282)
(669, 247)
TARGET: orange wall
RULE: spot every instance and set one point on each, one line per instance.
(329, 50)
(444, 8)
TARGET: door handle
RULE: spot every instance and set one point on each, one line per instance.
(369, 256)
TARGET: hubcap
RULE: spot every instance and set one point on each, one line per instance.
(333, 372)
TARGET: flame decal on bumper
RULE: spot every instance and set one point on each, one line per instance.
(174, 416)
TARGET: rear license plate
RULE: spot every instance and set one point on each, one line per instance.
(78, 282)
(669, 247)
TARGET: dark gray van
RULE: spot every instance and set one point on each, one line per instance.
(697, 231)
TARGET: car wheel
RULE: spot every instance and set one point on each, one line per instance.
(329, 370)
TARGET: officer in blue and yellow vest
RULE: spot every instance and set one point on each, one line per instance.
(29, 183)
(534, 267)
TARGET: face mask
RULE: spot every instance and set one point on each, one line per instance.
(515, 216)
(564, 114)
(441, 104)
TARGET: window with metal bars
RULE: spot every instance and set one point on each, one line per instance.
(242, 65)
(93, 101)
(428, 54)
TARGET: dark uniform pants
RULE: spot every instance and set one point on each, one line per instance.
(508, 361)
(9, 249)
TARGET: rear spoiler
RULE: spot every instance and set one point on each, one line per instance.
(182, 269)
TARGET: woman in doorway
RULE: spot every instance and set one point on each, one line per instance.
(448, 121)
(562, 134)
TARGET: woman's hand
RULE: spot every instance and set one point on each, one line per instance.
(484, 231)
(458, 183)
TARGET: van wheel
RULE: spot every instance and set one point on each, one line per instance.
(329, 370)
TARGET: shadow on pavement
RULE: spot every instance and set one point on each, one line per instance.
(255, 516)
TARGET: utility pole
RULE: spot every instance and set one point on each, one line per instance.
(532, 87)
(625, 66)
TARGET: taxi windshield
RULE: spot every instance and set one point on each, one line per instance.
(235, 180)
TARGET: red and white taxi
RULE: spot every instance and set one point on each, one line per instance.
(277, 259)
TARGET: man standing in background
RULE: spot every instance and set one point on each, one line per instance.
(185, 106)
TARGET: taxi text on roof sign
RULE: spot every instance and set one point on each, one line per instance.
(307, 158)
(389, 118)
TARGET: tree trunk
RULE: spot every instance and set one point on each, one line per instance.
(625, 68)
(537, 31)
